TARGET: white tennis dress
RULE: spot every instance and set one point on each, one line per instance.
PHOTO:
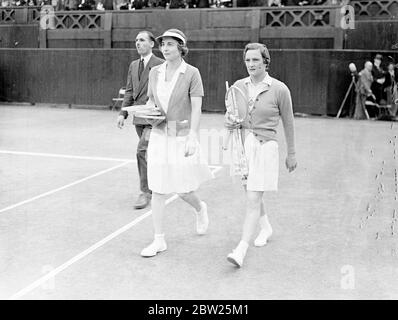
(168, 168)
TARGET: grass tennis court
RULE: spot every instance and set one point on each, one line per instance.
(68, 230)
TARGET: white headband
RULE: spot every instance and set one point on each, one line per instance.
(173, 35)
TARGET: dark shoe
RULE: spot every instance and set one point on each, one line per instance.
(143, 201)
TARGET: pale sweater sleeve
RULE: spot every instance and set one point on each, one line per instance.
(286, 112)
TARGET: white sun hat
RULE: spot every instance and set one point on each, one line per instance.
(172, 34)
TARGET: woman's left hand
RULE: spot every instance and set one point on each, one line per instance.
(291, 163)
(190, 145)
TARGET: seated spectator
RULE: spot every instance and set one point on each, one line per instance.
(308, 2)
(391, 88)
(177, 4)
(157, 3)
(379, 78)
(203, 4)
(117, 4)
(99, 5)
(276, 3)
(86, 5)
(108, 4)
(71, 4)
(139, 4)
(124, 5)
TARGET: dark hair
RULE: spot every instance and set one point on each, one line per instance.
(150, 35)
(263, 50)
(180, 45)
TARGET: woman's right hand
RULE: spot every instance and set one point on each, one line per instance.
(291, 163)
(230, 122)
(120, 121)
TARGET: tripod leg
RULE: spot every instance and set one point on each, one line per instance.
(345, 98)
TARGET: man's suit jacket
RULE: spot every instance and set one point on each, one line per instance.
(365, 81)
(136, 90)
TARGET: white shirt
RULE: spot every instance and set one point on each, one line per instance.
(255, 89)
(165, 88)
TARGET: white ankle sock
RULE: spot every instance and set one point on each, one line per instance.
(264, 223)
(242, 247)
(159, 237)
(201, 208)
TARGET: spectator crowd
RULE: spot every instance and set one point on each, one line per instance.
(377, 87)
(141, 4)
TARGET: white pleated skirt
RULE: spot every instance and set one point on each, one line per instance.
(263, 163)
(169, 171)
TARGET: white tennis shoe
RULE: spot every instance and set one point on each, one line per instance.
(263, 236)
(202, 219)
(238, 254)
(236, 257)
(265, 232)
(158, 245)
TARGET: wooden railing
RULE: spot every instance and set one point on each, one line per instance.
(302, 27)
(117, 28)
(369, 10)
(298, 17)
(19, 15)
(82, 20)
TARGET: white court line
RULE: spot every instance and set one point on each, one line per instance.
(55, 155)
(64, 187)
(86, 252)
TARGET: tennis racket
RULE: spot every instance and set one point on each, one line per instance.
(236, 104)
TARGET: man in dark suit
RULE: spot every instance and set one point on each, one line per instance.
(379, 78)
(136, 94)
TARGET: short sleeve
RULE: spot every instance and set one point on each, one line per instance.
(196, 86)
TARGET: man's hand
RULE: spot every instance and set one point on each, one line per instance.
(291, 163)
(381, 80)
(120, 121)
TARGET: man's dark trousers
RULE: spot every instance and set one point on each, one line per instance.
(143, 132)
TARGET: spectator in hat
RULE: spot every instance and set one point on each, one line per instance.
(391, 88)
(379, 78)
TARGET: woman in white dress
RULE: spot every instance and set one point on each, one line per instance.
(175, 160)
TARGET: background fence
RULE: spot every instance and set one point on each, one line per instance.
(318, 79)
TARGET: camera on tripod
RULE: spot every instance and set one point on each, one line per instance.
(352, 88)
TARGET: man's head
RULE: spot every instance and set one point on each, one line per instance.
(368, 65)
(377, 60)
(391, 66)
(144, 43)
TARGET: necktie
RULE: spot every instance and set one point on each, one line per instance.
(140, 68)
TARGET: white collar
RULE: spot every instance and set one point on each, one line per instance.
(267, 80)
(181, 69)
(146, 59)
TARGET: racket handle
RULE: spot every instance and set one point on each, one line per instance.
(226, 139)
